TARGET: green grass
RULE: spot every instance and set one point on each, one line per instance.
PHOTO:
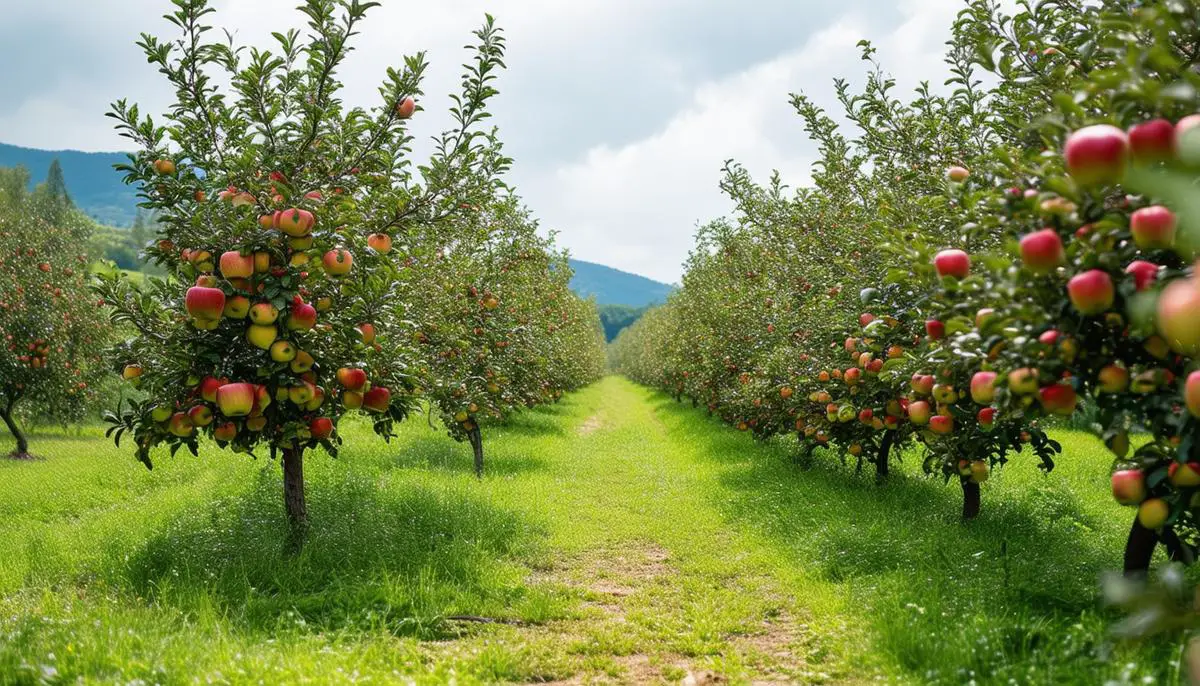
(618, 535)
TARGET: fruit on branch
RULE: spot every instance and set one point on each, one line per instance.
(302, 316)
(283, 351)
(406, 107)
(262, 336)
(986, 418)
(181, 425)
(1153, 227)
(237, 307)
(294, 222)
(1113, 379)
(921, 384)
(1144, 274)
(366, 331)
(983, 387)
(164, 167)
(202, 260)
(300, 395)
(865, 318)
(958, 174)
(1191, 393)
(1178, 321)
(941, 424)
(1023, 381)
(1129, 486)
(1152, 141)
(209, 387)
(1042, 251)
(352, 400)
(321, 428)
(380, 242)
(236, 399)
(980, 471)
(200, 415)
(302, 363)
(945, 394)
(338, 262)
(352, 378)
(1119, 444)
(205, 303)
(225, 432)
(235, 265)
(1153, 513)
(852, 376)
(206, 280)
(919, 412)
(1091, 292)
(935, 329)
(318, 399)
(262, 262)
(131, 372)
(1059, 398)
(1145, 382)
(1184, 474)
(263, 314)
(952, 262)
(377, 399)
(1096, 154)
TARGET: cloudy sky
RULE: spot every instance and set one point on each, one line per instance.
(619, 113)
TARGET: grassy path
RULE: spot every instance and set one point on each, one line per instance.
(617, 537)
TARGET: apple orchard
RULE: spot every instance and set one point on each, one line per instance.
(971, 268)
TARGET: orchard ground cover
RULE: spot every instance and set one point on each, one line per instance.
(617, 536)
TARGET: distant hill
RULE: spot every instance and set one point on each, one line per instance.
(94, 186)
(615, 287)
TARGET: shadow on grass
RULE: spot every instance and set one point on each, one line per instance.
(1011, 594)
(381, 555)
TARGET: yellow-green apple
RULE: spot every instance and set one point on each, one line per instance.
(294, 221)
(1178, 321)
(261, 336)
(324, 303)
(209, 386)
(256, 423)
(1153, 227)
(206, 280)
(1144, 274)
(262, 262)
(1157, 347)
(952, 262)
(298, 259)
(1145, 382)
(377, 399)
(202, 260)
(380, 242)
(1184, 474)
(283, 351)
(338, 262)
(200, 415)
(352, 400)
(321, 428)
(852, 376)
(1059, 398)
(1191, 393)
(945, 394)
(161, 413)
(164, 167)
(235, 265)
(1096, 154)
(303, 362)
(957, 174)
(262, 399)
(1113, 379)
(366, 331)
(225, 432)
(301, 316)
(301, 243)
(205, 303)
(1129, 486)
(317, 400)
(919, 412)
(1042, 251)
(406, 107)
(237, 307)
(1023, 381)
(986, 418)
(236, 399)
(979, 471)
(983, 387)
(1152, 141)
(352, 378)
(1153, 513)
(1091, 292)
(263, 314)
(1118, 443)
(300, 395)
(131, 372)
(181, 425)
(206, 324)
(941, 424)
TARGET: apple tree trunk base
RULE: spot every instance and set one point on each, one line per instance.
(476, 439)
(22, 451)
(293, 496)
(971, 500)
(1139, 548)
(885, 452)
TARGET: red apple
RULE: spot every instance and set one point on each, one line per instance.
(1091, 292)
(1178, 321)
(921, 384)
(1042, 251)
(1096, 154)
(338, 262)
(205, 303)
(986, 418)
(852, 376)
(225, 432)
(954, 263)
(1058, 399)
(919, 412)
(164, 167)
(1144, 274)
(200, 415)
(406, 107)
(294, 222)
(181, 425)
(1129, 486)
(1152, 141)
(935, 329)
(865, 318)
(1191, 393)
(983, 387)
(941, 424)
(380, 242)
(1049, 337)
(321, 428)
(366, 331)
(209, 387)
(377, 399)
(235, 265)
(236, 399)
(1153, 227)
(302, 316)
(352, 378)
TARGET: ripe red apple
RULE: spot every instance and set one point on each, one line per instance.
(1178, 321)
(406, 107)
(935, 329)
(865, 415)
(1152, 141)
(1144, 274)
(1096, 154)
(865, 318)
(237, 399)
(958, 174)
(1023, 381)
(1049, 336)
(1042, 251)
(983, 387)
(380, 242)
(919, 412)
(954, 263)
(1191, 393)
(338, 262)
(785, 392)
(235, 265)
(200, 415)
(352, 378)
(294, 222)
(302, 316)
(1153, 227)
(1091, 292)
(1129, 486)
(377, 399)
(921, 384)
(181, 425)
(1113, 379)
(1153, 513)
(1059, 398)
(986, 418)
(366, 331)
(209, 387)
(321, 428)
(941, 424)
(225, 432)
(205, 303)
(164, 167)
(852, 376)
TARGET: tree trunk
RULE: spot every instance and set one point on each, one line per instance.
(971, 497)
(885, 452)
(22, 443)
(1139, 548)
(293, 495)
(476, 439)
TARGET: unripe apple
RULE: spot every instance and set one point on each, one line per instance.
(302, 316)
(1145, 382)
(317, 400)
(1023, 381)
(235, 265)
(262, 336)
(1152, 141)
(1042, 251)
(294, 222)
(1191, 393)
(380, 242)
(1059, 398)
(986, 418)
(941, 424)
(181, 425)
(225, 432)
(263, 314)
(161, 413)
(377, 399)
(983, 387)
(205, 303)
(131, 372)
(321, 428)
(980, 471)
(206, 280)
(982, 316)
(1184, 475)
(200, 415)
(256, 423)
(1113, 379)
(352, 378)
(324, 304)
(338, 262)
(919, 412)
(237, 307)
(300, 395)
(352, 400)
(1144, 274)
(1178, 321)
(1153, 227)
(1153, 513)
(206, 324)
(302, 363)
(935, 329)
(283, 351)
(1129, 486)
(236, 399)
(202, 260)
(1096, 154)
(954, 263)
(262, 262)
(957, 174)
(945, 394)
(1091, 292)
(1118, 443)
